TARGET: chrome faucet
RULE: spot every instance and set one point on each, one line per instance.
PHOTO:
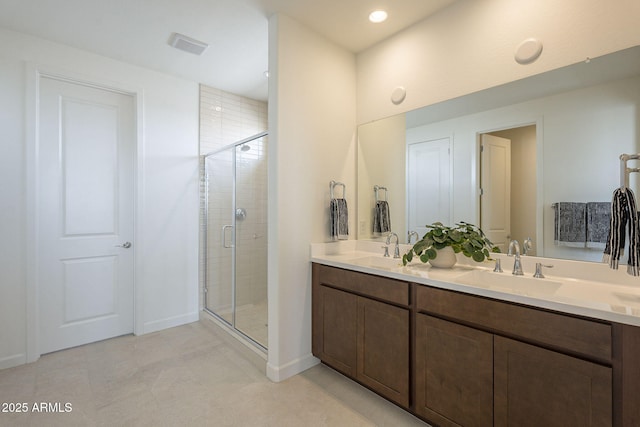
(527, 246)
(410, 234)
(517, 265)
(396, 252)
(538, 274)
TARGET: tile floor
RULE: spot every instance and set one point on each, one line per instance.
(185, 376)
(251, 320)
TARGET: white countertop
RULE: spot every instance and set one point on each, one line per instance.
(575, 287)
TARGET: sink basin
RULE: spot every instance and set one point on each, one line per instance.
(378, 262)
(521, 285)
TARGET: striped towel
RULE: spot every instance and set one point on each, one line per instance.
(339, 218)
(624, 217)
(382, 217)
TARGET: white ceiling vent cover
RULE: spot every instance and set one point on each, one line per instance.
(182, 42)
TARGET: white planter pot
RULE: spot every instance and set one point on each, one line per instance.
(446, 258)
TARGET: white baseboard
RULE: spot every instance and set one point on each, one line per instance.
(170, 322)
(281, 373)
(13, 360)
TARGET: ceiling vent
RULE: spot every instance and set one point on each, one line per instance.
(182, 42)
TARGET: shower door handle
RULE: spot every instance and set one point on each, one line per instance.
(224, 236)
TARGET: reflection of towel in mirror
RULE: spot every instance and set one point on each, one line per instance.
(570, 228)
(624, 217)
(598, 221)
(381, 217)
(339, 218)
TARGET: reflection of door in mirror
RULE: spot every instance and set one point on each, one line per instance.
(508, 182)
(428, 184)
(495, 197)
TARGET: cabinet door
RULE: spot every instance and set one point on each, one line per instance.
(453, 373)
(383, 349)
(538, 387)
(334, 328)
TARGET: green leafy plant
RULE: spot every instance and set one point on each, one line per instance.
(464, 237)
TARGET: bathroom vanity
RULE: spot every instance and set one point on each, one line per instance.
(454, 353)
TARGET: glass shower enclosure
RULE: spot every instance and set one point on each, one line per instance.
(235, 289)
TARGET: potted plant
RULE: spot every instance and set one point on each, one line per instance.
(464, 237)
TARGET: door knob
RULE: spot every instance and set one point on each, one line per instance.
(125, 245)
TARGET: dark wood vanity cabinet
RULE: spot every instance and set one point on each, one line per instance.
(492, 363)
(534, 386)
(383, 349)
(454, 373)
(335, 319)
(361, 327)
(456, 359)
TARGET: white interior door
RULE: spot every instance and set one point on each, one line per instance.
(85, 192)
(495, 181)
(429, 184)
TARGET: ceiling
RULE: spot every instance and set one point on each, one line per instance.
(137, 31)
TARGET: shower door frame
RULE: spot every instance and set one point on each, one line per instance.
(234, 146)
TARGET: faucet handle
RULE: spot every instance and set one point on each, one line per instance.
(498, 267)
(396, 252)
(538, 274)
(386, 250)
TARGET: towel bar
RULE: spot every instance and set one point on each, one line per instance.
(377, 188)
(624, 170)
(332, 186)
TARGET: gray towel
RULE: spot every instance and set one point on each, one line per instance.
(570, 224)
(598, 221)
(381, 217)
(339, 217)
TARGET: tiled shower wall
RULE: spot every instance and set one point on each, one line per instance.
(226, 118)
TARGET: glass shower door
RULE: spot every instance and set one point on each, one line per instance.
(251, 240)
(236, 237)
(219, 293)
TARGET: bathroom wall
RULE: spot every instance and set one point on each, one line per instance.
(167, 194)
(312, 117)
(470, 46)
(226, 118)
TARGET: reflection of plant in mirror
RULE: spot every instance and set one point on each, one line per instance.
(464, 237)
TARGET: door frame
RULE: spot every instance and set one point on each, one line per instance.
(34, 73)
(538, 122)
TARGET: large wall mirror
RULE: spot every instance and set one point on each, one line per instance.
(517, 159)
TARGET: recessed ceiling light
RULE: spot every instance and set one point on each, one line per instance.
(378, 16)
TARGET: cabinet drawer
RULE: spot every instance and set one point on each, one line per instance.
(381, 288)
(554, 330)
